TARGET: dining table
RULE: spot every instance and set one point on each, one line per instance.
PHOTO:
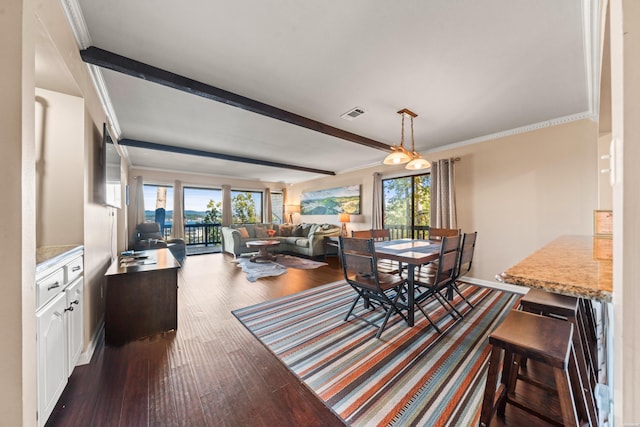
(414, 253)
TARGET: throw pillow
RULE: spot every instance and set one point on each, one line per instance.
(306, 229)
(261, 233)
(284, 231)
(297, 231)
(243, 232)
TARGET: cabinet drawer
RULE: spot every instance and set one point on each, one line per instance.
(74, 269)
(48, 287)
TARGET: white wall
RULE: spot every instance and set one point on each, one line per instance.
(517, 192)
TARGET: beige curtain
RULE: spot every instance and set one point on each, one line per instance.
(268, 208)
(376, 214)
(227, 216)
(135, 213)
(443, 198)
(177, 230)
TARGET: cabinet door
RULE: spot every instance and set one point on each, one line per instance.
(73, 316)
(52, 355)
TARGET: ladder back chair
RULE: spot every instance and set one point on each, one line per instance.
(360, 267)
(439, 233)
(432, 284)
(384, 265)
(463, 266)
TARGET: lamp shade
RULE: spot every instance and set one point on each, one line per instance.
(397, 157)
(344, 217)
(417, 163)
(292, 208)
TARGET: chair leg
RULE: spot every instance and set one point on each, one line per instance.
(444, 302)
(428, 318)
(355, 301)
(454, 286)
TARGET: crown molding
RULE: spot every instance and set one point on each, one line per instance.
(75, 17)
(76, 20)
(515, 131)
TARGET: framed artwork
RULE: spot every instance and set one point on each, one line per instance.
(602, 223)
(332, 201)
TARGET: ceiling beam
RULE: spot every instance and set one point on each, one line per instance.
(214, 155)
(112, 61)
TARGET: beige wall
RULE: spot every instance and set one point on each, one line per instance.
(195, 180)
(59, 186)
(518, 192)
(17, 172)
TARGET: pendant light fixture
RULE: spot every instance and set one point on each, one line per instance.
(400, 154)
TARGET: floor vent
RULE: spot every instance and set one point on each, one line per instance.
(353, 113)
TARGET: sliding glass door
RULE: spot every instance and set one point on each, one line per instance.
(406, 205)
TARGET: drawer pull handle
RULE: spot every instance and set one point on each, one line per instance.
(53, 286)
(76, 268)
(75, 302)
(68, 309)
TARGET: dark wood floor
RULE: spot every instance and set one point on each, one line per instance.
(212, 371)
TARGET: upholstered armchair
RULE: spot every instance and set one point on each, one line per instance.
(148, 236)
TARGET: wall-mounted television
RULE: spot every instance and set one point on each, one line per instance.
(112, 178)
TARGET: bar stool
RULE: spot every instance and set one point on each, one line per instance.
(547, 341)
(572, 310)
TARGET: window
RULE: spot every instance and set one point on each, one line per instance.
(406, 205)
(246, 207)
(158, 204)
(277, 208)
(202, 205)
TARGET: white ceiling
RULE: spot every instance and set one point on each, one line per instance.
(469, 69)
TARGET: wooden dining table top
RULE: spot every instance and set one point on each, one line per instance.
(409, 251)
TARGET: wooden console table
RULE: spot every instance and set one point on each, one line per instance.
(141, 300)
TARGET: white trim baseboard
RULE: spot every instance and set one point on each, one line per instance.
(495, 285)
(87, 354)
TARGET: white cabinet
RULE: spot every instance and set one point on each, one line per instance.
(73, 318)
(59, 327)
(53, 368)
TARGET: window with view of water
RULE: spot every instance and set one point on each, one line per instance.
(158, 206)
(277, 208)
(202, 205)
(246, 207)
(406, 205)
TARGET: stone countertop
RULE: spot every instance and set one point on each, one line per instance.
(565, 266)
(48, 256)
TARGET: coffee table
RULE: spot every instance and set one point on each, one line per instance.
(263, 249)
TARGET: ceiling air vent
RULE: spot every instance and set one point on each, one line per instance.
(353, 113)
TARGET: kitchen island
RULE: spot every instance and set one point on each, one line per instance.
(577, 266)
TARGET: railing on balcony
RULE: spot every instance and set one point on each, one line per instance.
(198, 233)
(408, 231)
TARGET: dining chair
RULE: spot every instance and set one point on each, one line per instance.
(439, 233)
(465, 260)
(384, 265)
(438, 278)
(360, 267)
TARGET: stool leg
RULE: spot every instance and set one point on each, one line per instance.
(509, 378)
(567, 404)
(582, 363)
(582, 395)
(489, 400)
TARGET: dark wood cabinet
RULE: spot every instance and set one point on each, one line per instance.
(141, 300)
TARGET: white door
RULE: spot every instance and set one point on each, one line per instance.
(52, 355)
(74, 322)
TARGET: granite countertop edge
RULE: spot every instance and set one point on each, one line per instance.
(49, 256)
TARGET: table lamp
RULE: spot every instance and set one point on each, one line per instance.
(344, 218)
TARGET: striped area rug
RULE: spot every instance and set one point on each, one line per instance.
(410, 376)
